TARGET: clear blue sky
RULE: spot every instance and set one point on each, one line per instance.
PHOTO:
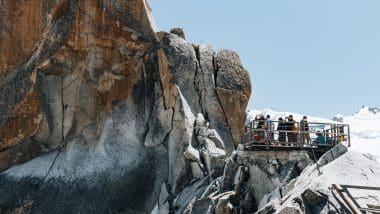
(318, 57)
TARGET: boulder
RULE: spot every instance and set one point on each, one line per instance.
(200, 120)
(314, 201)
(179, 32)
(213, 188)
(214, 158)
(233, 89)
(203, 132)
(224, 205)
(196, 170)
(203, 205)
(212, 150)
(214, 136)
(230, 168)
(192, 154)
(188, 194)
(332, 154)
(261, 182)
(182, 62)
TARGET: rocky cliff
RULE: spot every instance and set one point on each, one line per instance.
(98, 110)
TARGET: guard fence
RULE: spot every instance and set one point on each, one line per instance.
(331, 134)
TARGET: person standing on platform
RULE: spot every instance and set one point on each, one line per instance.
(304, 128)
(269, 127)
(281, 128)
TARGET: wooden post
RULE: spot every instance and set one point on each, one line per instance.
(347, 199)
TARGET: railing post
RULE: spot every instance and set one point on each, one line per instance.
(300, 144)
(269, 133)
(333, 133)
(349, 136)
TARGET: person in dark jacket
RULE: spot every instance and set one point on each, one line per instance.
(269, 127)
(291, 129)
(304, 128)
(281, 129)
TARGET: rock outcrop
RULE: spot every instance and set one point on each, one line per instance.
(98, 109)
(100, 113)
(283, 182)
(312, 191)
(250, 180)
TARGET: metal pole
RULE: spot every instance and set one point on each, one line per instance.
(361, 187)
(300, 144)
(349, 136)
(270, 132)
(334, 134)
(316, 162)
(347, 199)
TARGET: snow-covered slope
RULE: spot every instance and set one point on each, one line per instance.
(365, 130)
(365, 126)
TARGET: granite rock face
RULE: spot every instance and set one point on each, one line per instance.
(283, 181)
(232, 86)
(313, 191)
(250, 180)
(97, 108)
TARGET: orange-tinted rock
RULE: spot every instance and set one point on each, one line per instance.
(21, 27)
(23, 123)
(109, 102)
(169, 90)
(95, 50)
(233, 87)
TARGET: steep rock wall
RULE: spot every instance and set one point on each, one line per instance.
(99, 107)
(250, 180)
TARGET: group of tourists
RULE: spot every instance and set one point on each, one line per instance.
(289, 131)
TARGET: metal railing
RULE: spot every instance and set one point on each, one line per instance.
(344, 197)
(271, 134)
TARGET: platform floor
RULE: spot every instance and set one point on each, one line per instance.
(318, 150)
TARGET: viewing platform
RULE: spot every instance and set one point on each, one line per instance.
(318, 138)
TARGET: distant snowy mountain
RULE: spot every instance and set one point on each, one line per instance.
(365, 130)
(364, 125)
(275, 115)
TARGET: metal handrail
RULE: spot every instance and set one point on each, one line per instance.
(333, 133)
(350, 201)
